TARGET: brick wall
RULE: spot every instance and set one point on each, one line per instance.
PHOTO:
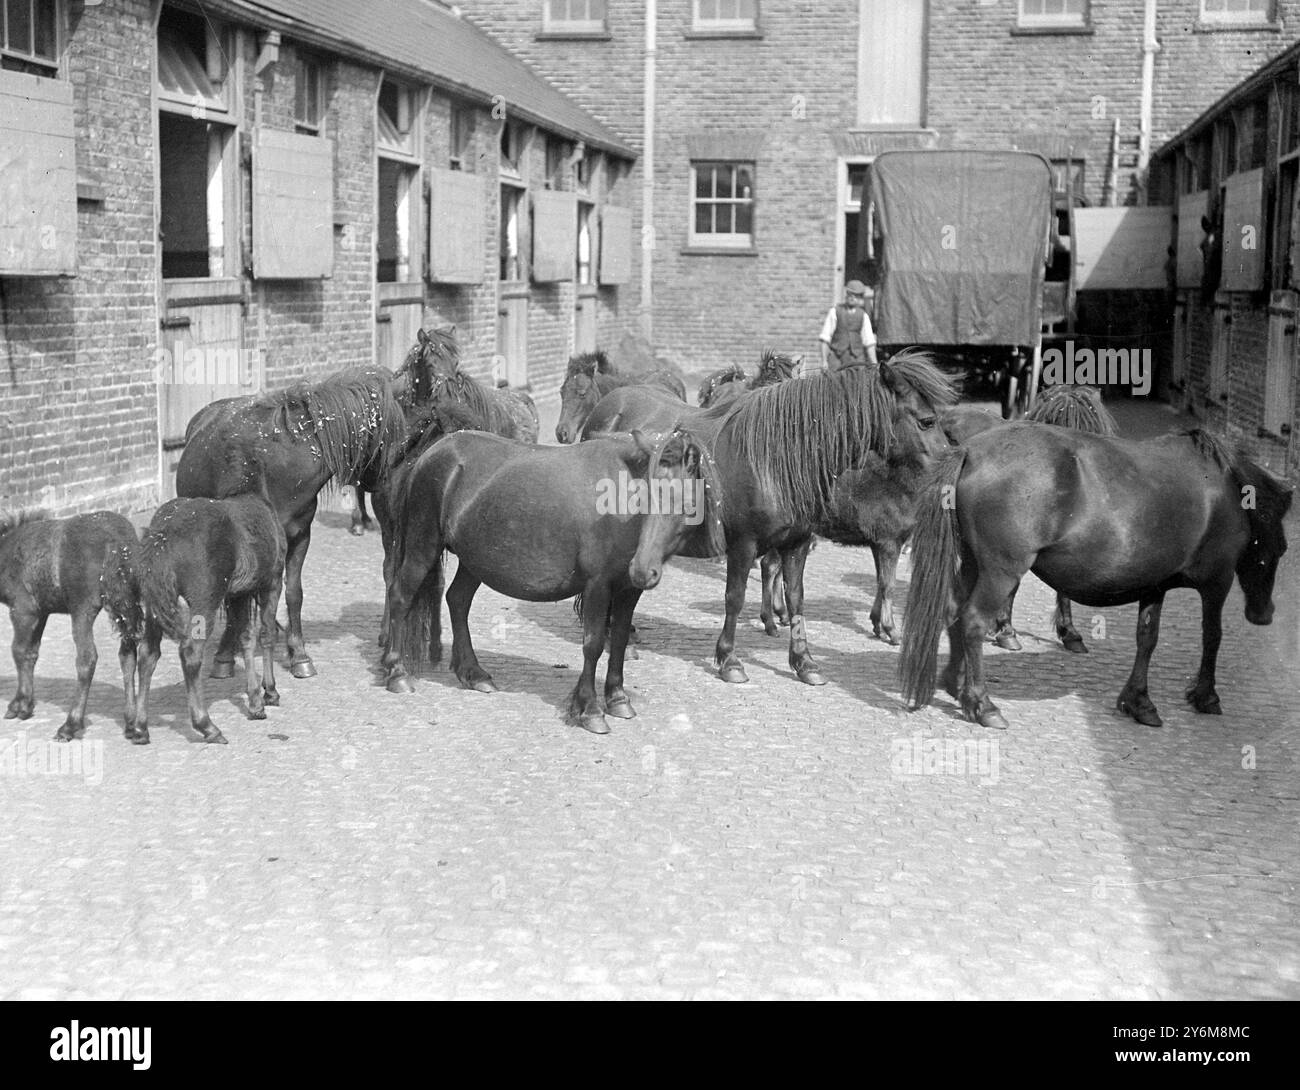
(78, 407)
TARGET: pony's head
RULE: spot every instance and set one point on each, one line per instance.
(921, 392)
(1266, 501)
(434, 354)
(589, 363)
(578, 396)
(710, 386)
(775, 367)
(684, 499)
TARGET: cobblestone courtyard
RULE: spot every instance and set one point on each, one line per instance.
(765, 840)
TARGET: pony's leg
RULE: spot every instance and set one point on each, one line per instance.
(137, 730)
(28, 625)
(300, 664)
(83, 638)
(1201, 695)
(239, 615)
(584, 705)
(801, 660)
(127, 657)
(192, 668)
(1004, 632)
(1133, 699)
(740, 559)
(990, 592)
(360, 520)
(885, 554)
(1065, 629)
(617, 703)
(464, 663)
(269, 602)
(773, 612)
(953, 676)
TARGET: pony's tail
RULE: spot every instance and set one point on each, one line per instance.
(418, 638)
(936, 559)
(120, 588)
(159, 595)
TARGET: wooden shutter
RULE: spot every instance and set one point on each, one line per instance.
(555, 226)
(1121, 248)
(293, 206)
(456, 227)
(38, 176)
(1191, 263)
(1243, 232)
(615, 245)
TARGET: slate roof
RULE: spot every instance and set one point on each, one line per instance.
(428, 40)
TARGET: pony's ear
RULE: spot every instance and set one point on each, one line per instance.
(1206, 225)
(422, 336)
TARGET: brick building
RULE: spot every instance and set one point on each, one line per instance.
(1236, 170)
(766, 115)
(208, 199)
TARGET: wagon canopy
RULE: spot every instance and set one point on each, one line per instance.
(966, 238)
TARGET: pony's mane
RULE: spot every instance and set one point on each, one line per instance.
(799, 436)
(916, 370)
(720, 377)
(1077, 407)
(588, 363)
(716, 535)
(1272, 497)
(14, 519)
(352, 416)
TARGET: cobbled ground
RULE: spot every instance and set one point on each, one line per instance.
(763, 840)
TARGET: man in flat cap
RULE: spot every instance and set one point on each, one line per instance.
(847, 339)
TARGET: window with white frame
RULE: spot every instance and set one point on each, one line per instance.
(724, 14)
(308, 95)
(1053, 13)
(722, 204)
(29, 36)
(1245, 12)
(193, 65)
(574, 16)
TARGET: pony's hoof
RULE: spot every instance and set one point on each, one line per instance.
(138, 736)
(1144, 712)
(69, 732)
(1075, 643)
(594, 723)
(811, 677)
(400, 685)
(480, 684)
(770, 628)
(992, 720)
(256, 713)
(1205, 703)
(734, 674)
(621, 709)
(1007, 641)
(19, 711)
(271, 698)
(302, 669)
(216, 738)
(357, 531)
(222, 669)
(886, 635)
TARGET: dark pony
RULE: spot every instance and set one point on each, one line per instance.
(287, 446)
(533, 523)
(198, 556)
(1178, 511)
(78, 566)
(590, 376)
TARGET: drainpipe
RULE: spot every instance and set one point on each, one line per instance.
(1149, 49)
(648, 177)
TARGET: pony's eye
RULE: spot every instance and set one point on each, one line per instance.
(925, 423)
